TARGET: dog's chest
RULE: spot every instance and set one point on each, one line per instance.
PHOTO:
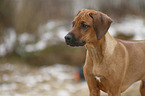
(100, 72)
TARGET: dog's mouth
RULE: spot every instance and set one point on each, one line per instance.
(76, 44)
(70, 40)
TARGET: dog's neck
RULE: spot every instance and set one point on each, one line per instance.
(101, 48)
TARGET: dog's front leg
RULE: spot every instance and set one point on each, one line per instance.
(92, 82)
(142, 88)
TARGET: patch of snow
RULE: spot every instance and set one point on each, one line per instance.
(62, 32)
(45, 87)
(8, 42)
(5, 86)
(128, 26)
(46, 36)
(10, 38)
(62, 93)
(8, 67)
(58, 73)
(29, 48)
(40, 45)
(2, 50)
(25, 37)
(51, 24)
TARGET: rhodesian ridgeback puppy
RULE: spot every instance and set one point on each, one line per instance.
(111, 65)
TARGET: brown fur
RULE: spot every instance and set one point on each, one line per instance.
(117, 63)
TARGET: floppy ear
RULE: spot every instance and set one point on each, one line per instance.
(101, 23)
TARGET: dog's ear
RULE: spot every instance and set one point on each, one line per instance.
(101, 23)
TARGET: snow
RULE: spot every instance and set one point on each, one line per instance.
(40, 45)
(2, 50)
(23, 80)
(8, 42)
(62, 32)
(55, 80)
(130, 25)
(25, 37)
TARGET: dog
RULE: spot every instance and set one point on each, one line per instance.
(111, 64)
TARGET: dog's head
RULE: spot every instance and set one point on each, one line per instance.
(87, 26)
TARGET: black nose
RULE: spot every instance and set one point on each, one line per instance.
(68, 38)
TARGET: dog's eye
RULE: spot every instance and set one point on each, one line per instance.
(84, 26)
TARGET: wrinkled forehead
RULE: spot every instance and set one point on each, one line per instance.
(83, 15)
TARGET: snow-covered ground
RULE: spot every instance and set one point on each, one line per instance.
(131, 25)
(56, 80)
(23, 80)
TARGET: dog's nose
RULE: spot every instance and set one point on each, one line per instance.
(68, 37)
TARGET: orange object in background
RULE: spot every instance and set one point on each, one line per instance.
(79, 75)
(76, 76)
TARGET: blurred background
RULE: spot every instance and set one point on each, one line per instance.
(34, 59)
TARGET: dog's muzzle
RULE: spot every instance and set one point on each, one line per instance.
(70, 40)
